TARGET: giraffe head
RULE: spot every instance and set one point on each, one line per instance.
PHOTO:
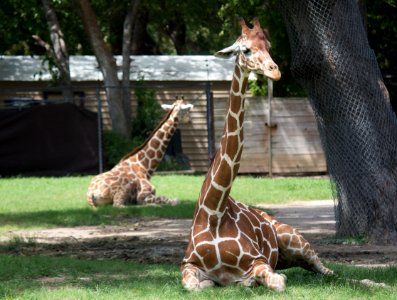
(252, 51)
(180, 108)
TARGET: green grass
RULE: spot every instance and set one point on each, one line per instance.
(248, 189)
(255, 191)
(51, 202)
(68, 278)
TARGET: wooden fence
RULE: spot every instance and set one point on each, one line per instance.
(287, 143)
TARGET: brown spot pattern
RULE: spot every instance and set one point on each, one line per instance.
(231, 242)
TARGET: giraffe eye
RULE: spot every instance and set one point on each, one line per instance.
(246, 51)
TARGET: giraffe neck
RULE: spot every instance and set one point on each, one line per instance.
(151, 153)
(225, 165)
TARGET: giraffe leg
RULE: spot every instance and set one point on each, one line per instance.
(193, 279)
(119, 199)
(295, 251)
(264, 274)
(147, 195)
(125, 195)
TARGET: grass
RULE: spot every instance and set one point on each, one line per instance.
(50, 202)
(248, 189)
(68, 278)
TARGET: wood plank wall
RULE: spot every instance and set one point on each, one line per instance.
(294, 142)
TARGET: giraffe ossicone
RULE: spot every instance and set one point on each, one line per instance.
(231, 242)
(128, 182)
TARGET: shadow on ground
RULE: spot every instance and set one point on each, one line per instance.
(155, 240)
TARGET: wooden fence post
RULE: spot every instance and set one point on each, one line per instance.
(210, 121)
(270, 125)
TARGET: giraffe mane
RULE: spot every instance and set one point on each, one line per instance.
(137, 149)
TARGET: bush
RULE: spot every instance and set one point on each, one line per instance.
(116, 146)
(258, 87)
(149, 111)
(171, 163)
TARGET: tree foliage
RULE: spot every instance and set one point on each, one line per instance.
(179, 27)
(382, 33)
(148, 113)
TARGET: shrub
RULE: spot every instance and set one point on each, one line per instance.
(116, 146)
(149, 111)
(258, 87)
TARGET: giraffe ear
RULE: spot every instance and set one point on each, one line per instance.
(187, 106)
(228, 52)
(166, 107)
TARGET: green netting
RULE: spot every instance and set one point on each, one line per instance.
(332, 60)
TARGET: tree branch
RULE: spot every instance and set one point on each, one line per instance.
(45, 45)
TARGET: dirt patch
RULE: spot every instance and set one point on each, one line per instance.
(139, 239)
(165, 240)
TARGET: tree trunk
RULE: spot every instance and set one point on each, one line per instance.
(108, 67)
(332, 60)
(127, 32)
(142, 43)
(58, 52)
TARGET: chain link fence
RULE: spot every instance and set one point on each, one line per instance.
(332, 60)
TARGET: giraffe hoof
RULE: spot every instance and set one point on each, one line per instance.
(327, 272)
(321, 269)
(198, 286)
(174, 202)
(277, 282)
(206, 284)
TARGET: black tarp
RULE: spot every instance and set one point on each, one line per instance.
(50, 140)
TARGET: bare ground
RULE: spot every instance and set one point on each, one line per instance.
(165, 240)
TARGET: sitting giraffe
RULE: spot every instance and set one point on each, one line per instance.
(229, 241)
(129, 181)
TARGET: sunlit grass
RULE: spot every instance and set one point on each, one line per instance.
(249, 189)
(25, 194)
(254, 190)
(52, 202)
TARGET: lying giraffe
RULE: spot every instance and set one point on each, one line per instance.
(129, 181)
(229, 241)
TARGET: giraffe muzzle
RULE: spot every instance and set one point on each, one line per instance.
(272, 71)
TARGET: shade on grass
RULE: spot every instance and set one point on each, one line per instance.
(68, 278)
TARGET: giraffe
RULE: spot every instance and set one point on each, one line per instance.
(229, 241)
(129, 181)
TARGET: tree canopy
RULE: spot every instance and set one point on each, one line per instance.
(178, 27)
